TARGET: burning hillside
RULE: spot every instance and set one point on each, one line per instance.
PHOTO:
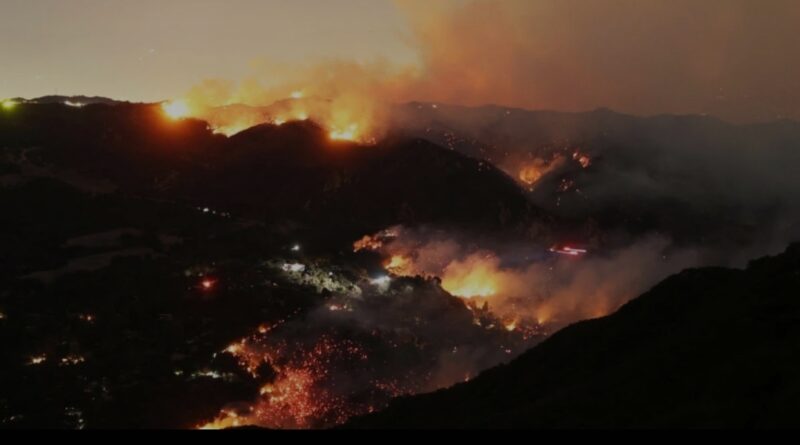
(527, 282)
(368, 342)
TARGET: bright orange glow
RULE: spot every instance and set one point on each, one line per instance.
(476, 277)
(349, 133)
(295, 398)
(368, 242)
(398, 265)
(230, 130)
(227, 419)
(532, 172)
(177, 109)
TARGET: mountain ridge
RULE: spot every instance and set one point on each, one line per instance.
(708, 347)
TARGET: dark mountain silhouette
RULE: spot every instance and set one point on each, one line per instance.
(292, 172)
(705, 348)
(693, 178)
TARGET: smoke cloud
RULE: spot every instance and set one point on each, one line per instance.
(729, 58)
(530, 282)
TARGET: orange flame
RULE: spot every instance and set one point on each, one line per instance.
(398, 265)
(476, 277)
(176, 109)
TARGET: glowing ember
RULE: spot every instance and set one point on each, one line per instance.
(176, 109)
(298, 396)
(37, 359)
(582, 159)
(512, 326)
(234, 349)
(72, 360)
(207, 284)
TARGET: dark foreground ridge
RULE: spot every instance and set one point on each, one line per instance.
(705, 348)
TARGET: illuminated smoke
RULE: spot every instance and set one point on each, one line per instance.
(351, 100)
(557, 285)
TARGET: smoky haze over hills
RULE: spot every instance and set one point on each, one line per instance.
(399, 213)
(252, 276)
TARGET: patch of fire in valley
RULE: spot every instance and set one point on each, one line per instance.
(375, 335)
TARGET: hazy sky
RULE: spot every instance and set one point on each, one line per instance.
(152, 49)
(737, 59)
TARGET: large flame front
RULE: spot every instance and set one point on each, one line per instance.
(345, 118)
(176, 109)
(476, 277)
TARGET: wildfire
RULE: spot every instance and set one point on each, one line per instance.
(297, 397)
(230, 130)
(476, 277)
(297, 95)
(348, 133)
(368, 242)
(376, 242)
(532, 172)
(398, 265)
(8, 104)
(176, 109)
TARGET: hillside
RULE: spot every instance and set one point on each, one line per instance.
(705, 348)
(270, 173)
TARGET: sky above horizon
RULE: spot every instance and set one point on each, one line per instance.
(736, 59)
(147, 50)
